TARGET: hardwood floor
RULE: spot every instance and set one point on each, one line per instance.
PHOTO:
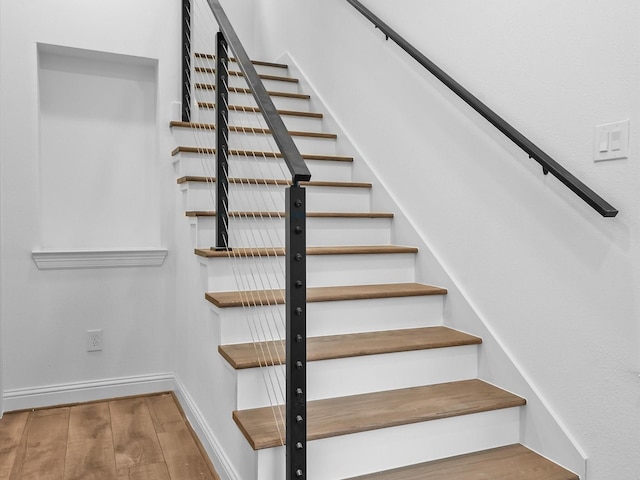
(131, 438)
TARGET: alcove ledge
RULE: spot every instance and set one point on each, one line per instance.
(111, 258)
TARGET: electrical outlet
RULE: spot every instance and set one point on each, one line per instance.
(94, 340)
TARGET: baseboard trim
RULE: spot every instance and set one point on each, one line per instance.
(78, 392)
(209, 441)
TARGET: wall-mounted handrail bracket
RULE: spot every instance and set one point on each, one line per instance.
(386, 37)
(548, 164)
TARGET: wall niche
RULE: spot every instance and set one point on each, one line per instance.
(98, 150)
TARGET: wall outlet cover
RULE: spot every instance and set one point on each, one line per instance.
(94, 340)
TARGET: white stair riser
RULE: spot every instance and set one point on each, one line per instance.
(246, 99)
(193, 164)
(235, 81)
(356, 375)
(206, 138)
(266, 69)
(253, 119)
(244, 197)
(265, 273)
(320, 231)
(366, 452)
(331, 318)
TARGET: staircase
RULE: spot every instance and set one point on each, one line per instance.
(393, 393)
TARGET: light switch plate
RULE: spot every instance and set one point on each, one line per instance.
(611, 141)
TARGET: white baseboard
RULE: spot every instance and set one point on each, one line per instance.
(209, 441)
(78, 392)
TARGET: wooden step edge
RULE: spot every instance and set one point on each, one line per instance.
(328, 250)
(235, 73)
(255, 298)
(273, 181)
(262, 215)
(512, 461)
(254, 130)
(259, 354)
(208, 56)
(372, 411)
(257, 154)
(252, 109)
(508, 462)
(300, 96)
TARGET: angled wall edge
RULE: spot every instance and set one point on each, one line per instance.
(72, 259)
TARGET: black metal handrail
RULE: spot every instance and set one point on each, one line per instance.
(292, 157)
(549, 165)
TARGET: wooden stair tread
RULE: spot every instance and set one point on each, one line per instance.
(208, 56)
(235, 73)
(252, 109)
(256, 130)
(510, 462)
(246, 355)
(359, 413)
(323, 294)
(273, 181)
(208, 86)
(211, 213)
(258, 154)
(328, 250)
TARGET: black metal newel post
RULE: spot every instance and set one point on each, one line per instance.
(296, 318)
(222, 146)
(186, 60)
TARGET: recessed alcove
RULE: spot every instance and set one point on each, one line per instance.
(98, 150)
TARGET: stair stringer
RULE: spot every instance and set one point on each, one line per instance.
(201, 373)
(542, 430)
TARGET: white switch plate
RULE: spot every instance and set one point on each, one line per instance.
(611, 141)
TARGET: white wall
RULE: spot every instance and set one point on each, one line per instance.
(1, 237)
(45, 314)
(241, 14)
(556, 283)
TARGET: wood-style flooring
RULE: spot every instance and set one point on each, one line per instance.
(131, 438)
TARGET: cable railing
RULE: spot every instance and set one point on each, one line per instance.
(246, 186)
(549, 165)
